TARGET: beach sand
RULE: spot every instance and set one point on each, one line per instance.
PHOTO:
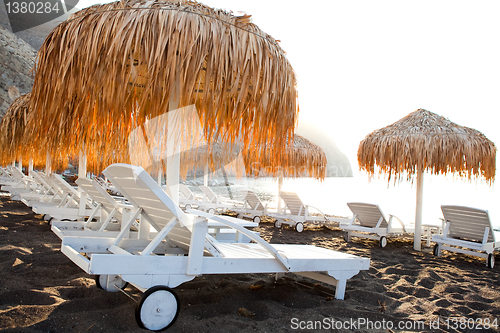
(43, 291)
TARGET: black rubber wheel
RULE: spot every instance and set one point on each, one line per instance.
(383, 241)
(346, 236)
(256, 219)
(491, 260)
(435, 250)
(211, 211)
(277, 224)
(188, 206)
(158, 309)
(299, 227)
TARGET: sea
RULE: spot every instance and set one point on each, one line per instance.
(331, 195)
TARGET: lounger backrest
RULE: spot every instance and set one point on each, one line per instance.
(37, 177)
(142, 191)
(207, 191)
(186, 192)
(17, 174)
(95, 192)
(367, 214)
(252, 199)
(50, 182)
(65, 186)
(467, 223)
(293, 203)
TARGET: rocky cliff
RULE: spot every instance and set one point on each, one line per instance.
(17, 56)
(17, 59)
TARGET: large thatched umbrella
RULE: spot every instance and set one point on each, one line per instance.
(425, 141)
(109, 68)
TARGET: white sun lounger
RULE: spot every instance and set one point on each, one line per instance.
(368, 221)
(251, 206)
(214, 202)
(187, 198)
(183, 250)
(6, 176)
(20, 184)
(68, 208)
(209, 202)
(104, 220)
(47, 192)
(298, 213)
(468, 231)
(115, 214)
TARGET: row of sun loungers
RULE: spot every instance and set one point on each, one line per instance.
(464, 230)
(148, 241)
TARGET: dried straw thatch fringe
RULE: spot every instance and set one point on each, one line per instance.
(12, 128)
(110, 67)
(302, 158)
(426, 141)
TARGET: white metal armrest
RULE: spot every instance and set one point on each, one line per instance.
(244, 231)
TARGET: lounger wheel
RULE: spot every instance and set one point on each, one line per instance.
(347, 236)
(299, 227)
(491, 260)
(383, 241)
(109, 283)
(277, 224)
(188, 206)
(158, 308)
(211, 211)
(256, 219)
(436, 250)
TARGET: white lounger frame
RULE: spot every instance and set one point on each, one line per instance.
(369, 222)
(189, 251)
(251, 206)
(468, 231)
(298, 213)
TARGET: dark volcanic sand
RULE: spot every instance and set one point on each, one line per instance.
(43, 291)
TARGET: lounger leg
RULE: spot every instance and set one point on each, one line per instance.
(340, 289)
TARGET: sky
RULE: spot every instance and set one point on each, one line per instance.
(362, 65)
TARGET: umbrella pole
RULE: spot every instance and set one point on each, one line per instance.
(30, 167)
(159, 174)
(82, 172)
(280, 186)
(48, 168)
(205, 175)
(173, 152)
(417, 240)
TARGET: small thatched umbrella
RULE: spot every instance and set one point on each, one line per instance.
(425, 141)
(109, 68)
(12, 129)
(301, 158)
